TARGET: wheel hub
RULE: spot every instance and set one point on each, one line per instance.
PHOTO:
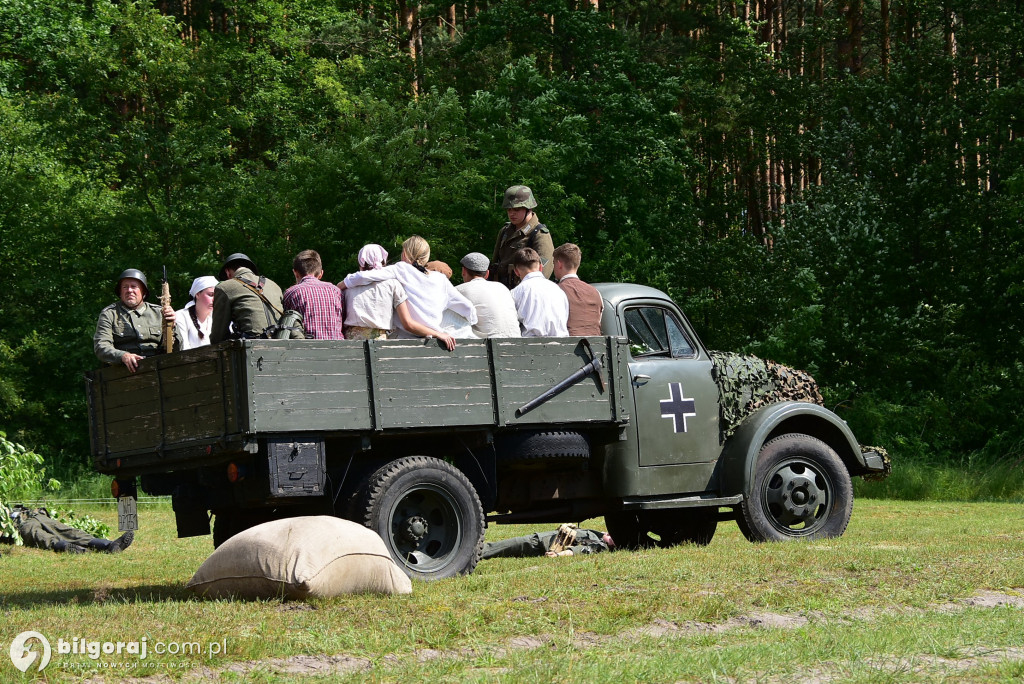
(415, 528)
(800, 496)
(794, 495)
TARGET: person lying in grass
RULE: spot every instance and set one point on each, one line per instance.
(38, 530)
(567, 540)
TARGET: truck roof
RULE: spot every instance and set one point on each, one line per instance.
(614, 293)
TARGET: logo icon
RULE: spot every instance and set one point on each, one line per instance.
(678, 407)
(23, 656)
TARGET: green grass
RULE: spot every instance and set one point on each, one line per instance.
(973, 479)
(869, 601)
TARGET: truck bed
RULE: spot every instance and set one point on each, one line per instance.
(181, 407)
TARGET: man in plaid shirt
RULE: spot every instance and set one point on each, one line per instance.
(319, 303)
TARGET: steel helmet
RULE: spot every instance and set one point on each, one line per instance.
(519, 197)
(237, 259)
(132, 273)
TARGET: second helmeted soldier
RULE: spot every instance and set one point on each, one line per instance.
(245, 303)
(523, 229)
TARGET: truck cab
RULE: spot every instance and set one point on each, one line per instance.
(688, 468)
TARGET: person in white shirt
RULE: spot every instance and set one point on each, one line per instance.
(370, 309)
(429, 293)
(542, 307)
(193, 322)
(451, 322)
(495, 310)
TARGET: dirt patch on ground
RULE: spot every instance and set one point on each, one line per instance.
(985, 599)
(926, 664)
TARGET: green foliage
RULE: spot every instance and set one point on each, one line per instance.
(22, 476)
(132, 138)
(86, 523)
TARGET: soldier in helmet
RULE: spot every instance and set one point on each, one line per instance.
(131, 328)
(245, 303)
(523, 229)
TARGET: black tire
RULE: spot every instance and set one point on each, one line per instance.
(223, 527)
(801, 490)
(428, 515)
(229, 522)
(531, 446)
(627, 531)
(663, 527)
(687, 526)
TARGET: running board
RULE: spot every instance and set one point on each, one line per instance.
(680, 502)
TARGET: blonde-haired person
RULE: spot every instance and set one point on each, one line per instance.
(428, 293)
(194, 320)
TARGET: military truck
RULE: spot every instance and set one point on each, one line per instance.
(643, 426)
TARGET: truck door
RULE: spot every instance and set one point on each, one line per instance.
(675, 395)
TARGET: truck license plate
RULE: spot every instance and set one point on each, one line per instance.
(127, 514)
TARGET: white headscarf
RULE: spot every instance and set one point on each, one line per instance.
(198, 285)
(372, 257)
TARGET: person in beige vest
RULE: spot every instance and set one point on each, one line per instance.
(585, 303)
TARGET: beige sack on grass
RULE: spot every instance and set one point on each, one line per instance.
(300, 557)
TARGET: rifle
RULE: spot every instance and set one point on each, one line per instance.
(168, 326)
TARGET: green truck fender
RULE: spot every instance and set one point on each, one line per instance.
(739, 454)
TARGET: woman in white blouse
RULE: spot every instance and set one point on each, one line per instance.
(194, 321)
(429, 293)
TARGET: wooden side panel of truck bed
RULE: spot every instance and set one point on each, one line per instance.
(181, 406)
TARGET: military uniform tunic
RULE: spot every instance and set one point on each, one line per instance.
(235, 303)
(121, 330)
(511, 239)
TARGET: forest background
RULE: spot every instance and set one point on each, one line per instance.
(838, 185)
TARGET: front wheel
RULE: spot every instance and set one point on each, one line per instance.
(428, 515)
(801, 490)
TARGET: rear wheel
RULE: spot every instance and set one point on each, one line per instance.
(428, 515)
(662, 527)
(801, 490)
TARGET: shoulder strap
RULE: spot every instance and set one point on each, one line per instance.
(258, 291)
(535, 233)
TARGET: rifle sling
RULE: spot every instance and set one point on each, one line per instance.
(258, 291)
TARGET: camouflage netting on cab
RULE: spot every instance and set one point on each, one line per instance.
(746, 383)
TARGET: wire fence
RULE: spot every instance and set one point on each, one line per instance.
(141, 501)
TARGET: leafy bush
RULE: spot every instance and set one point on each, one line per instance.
(22, 476)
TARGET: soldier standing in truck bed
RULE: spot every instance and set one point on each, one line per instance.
(523, 229)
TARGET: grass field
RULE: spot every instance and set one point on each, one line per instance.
(913, 592)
